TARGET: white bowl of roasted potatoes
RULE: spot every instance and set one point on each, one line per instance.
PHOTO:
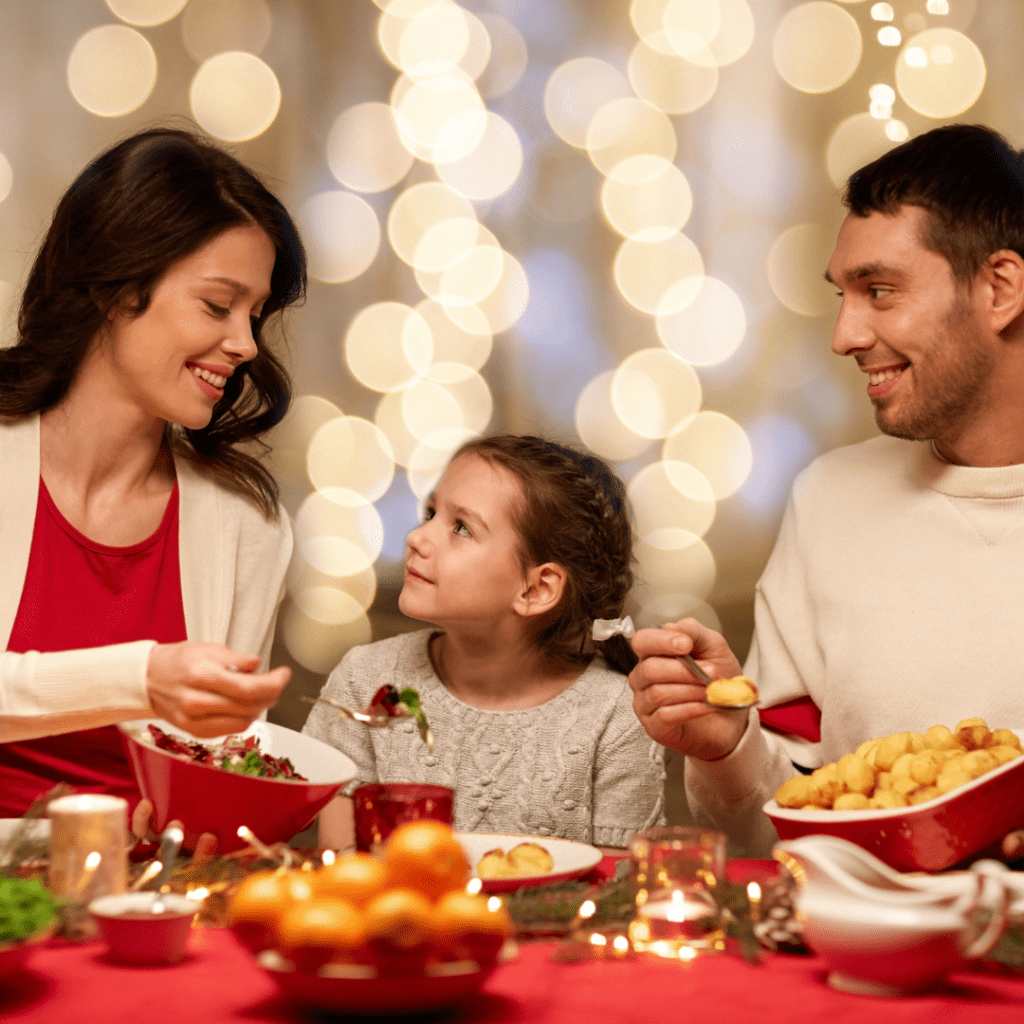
(918, 801)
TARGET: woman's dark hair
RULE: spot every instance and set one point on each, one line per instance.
(575, 514)
(967, 177)
(141, 206)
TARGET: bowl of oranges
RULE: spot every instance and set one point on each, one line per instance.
(394, 933)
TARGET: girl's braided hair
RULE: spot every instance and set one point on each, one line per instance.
(574, 514)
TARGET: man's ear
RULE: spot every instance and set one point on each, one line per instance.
(1004, 274)
(542, 589)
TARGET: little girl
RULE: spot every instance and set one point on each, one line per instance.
(524, 544)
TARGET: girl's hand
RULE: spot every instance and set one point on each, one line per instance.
(209, 690)
(668, 699)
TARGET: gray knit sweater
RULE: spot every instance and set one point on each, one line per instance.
(579, 766)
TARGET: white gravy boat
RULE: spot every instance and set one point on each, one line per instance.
(886, 933)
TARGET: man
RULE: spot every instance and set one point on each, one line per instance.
(894, 597)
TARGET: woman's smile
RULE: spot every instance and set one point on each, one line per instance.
(211, 380)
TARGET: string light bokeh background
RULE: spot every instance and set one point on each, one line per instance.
(601, 221)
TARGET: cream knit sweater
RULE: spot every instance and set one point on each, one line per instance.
(579, 766)
(894, 598)
(232, 580)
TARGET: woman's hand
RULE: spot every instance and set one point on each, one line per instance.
(209, 690)
(668, 699)
(142, 820)
(1013, 845)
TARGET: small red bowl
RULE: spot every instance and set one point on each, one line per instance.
(924, 837)
(210, 800)
(136, 935)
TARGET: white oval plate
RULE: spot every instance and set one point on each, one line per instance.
(571, 859)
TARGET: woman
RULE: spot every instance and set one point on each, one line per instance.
(142, 547)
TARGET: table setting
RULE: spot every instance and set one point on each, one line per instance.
(422, 919)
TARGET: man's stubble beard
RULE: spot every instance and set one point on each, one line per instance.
(953, 375)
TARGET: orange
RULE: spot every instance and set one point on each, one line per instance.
(312, 932)
(425, 855)
(399, 929)
(258, 902)
(469, 927)
(356, 877)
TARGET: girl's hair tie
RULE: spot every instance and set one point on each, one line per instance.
(607, 628)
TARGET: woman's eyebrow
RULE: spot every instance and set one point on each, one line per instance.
(237, 286)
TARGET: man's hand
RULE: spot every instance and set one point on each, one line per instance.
(668, 699)
(209, 690)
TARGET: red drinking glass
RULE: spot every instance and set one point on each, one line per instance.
(380, 807)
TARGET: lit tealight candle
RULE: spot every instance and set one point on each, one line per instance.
(754, 896)
(88, 846)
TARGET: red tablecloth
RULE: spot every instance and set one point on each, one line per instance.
(220, 983)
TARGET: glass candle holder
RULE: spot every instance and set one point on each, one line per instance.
(677, 870)
(380, 807)
(88, 847)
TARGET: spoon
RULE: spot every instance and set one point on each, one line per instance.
(386, 705)
(167, 855)
(707, 680)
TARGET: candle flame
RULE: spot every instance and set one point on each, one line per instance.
(588, 908)
(753, 891)
(677, 908)
(93, 860)
(328, 858)
(474, 885)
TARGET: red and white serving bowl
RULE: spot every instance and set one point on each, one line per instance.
(208, 799)
(930, 836)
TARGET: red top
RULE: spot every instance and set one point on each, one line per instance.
(79, 594)
(800, 716)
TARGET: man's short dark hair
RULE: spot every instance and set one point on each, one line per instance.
(967, 177)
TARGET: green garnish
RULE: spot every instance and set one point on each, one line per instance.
(411, 699)
(251, 764)
(25, 907)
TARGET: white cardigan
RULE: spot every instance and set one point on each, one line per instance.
(232, 561)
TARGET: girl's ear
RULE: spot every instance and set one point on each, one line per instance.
(542, 590)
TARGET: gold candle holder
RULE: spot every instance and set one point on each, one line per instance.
(88, 847)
